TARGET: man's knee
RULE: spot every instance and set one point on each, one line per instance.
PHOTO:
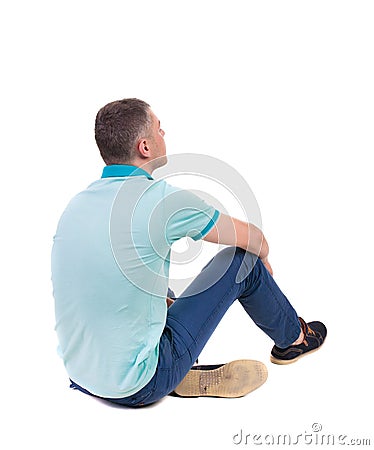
(248, 262)
(226, 256)
(232, 251)
(244, 260)
(230, 255)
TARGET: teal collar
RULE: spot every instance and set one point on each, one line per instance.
(124, 170)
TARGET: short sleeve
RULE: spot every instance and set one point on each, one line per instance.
(184, 213)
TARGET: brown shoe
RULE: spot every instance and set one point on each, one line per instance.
(231, 380)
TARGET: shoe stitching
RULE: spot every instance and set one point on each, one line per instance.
(287, 351)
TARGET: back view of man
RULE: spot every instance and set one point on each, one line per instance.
(121, 335)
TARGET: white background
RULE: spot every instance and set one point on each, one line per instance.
(280, 90)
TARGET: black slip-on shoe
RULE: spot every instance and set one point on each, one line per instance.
(314, 336)
(231, 380)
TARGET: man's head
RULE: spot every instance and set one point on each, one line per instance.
(128, 132)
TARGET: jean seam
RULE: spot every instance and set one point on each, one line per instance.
(281, 307)
(175, 356)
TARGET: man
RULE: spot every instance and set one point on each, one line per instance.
(121, 335)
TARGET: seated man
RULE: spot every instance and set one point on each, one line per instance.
(121, 335)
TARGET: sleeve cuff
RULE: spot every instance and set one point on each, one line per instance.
(208, 227)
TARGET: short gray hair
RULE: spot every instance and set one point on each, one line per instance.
(118, 127)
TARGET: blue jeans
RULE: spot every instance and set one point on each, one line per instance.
(193, 317)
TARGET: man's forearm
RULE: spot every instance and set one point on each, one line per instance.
(264, 252)
(253, 240)
(232, 231)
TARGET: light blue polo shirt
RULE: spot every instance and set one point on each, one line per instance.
(110, 271)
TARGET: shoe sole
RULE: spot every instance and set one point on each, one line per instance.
(284, 362)
(232, 380)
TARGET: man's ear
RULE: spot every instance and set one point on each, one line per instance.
(143, 148)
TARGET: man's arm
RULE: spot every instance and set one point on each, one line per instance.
(231, 231)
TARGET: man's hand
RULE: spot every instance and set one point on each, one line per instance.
(169, 301)
(266, 263)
